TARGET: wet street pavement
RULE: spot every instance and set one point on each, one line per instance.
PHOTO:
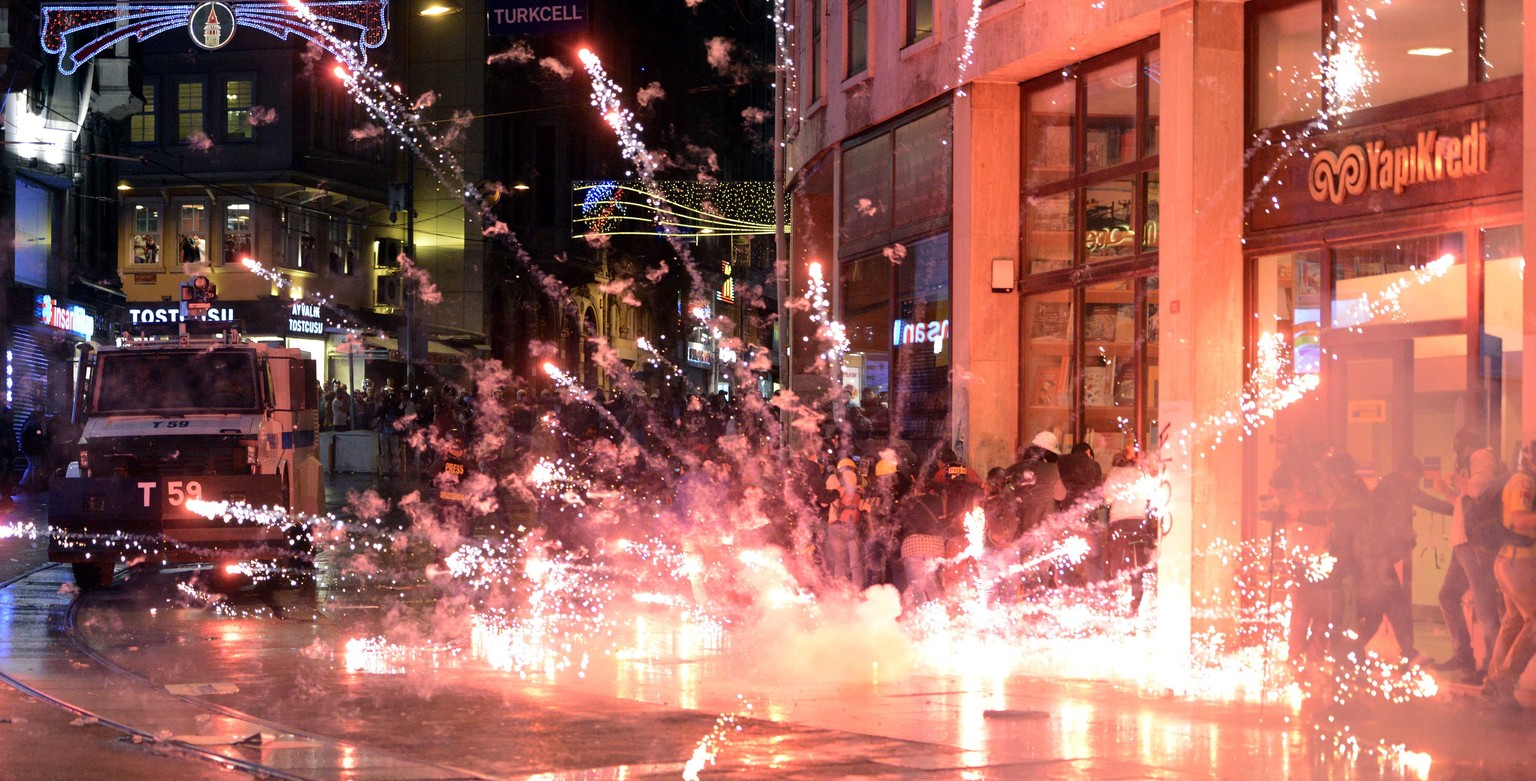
(285, 683)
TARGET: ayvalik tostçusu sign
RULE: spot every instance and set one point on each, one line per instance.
(535, 17)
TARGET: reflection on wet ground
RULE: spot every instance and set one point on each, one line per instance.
(165, 664)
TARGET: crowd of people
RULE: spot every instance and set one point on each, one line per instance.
(932, 529)
(1350, 545)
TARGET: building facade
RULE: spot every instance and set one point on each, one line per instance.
(1125, 222)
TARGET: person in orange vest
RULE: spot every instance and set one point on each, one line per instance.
(843, 553)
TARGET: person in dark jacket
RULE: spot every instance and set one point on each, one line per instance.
(35, 446)
(8, 454)
(1083, 479)
(1350, 514)
(923, 529)
(1387, 544)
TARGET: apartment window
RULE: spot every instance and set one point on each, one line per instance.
(141, 128)
(189, 110)
(858, 37)
(919, 20)
(341, 253)
(146, 235)
(814, 66)
(237, 232)
(192, 227)
(237, 109)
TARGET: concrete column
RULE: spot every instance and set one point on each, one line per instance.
(1202, 310)
(985, 223)
(1528, 221)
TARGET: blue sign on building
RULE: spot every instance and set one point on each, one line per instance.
(535, 17)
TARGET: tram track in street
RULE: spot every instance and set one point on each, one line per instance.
(46, 657)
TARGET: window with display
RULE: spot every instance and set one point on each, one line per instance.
(1089, 356)
(1090, 166)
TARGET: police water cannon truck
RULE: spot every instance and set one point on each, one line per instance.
(173, 426)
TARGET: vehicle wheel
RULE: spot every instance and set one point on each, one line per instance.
(92, 576)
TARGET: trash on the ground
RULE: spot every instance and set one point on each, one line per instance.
(201, 689)
(1015, 714)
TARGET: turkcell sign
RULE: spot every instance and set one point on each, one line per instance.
(305, 318)
(535, 17)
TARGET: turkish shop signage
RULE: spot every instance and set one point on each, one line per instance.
(535, 17)
(1471, 152)
(305, 319)
(1431, 157)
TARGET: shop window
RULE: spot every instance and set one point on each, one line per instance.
(1111, 104)
(1109, 221)
(1152, 75)
(189, 110)
(1363, 275)
(192, 238)
(866, 207)
(858, 37)
(146, 235)
(1090, 182)
(1287, 81)
(921, 162)
(919, 21)
(1503, 342)
(237, 109)
(1402, 50)
(1374, 54)
(1048, 362)
(1050, 131)
(916, 154)
(1108, 357)
(1288, 296)
(141, 127)
(1090, 364)
(1052, 224)
(237, 233)
(866, 303)
(1502, 49)
(921, 344)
